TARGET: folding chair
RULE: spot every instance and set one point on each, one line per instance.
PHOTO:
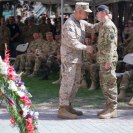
(22, 47)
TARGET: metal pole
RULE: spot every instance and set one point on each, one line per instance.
(62, 16)
(94, 6)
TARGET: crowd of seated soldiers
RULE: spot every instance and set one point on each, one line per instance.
(44, 43)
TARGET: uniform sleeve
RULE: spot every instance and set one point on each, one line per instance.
(108, 47)
(30, 46)
(70, 38)
(92, 28)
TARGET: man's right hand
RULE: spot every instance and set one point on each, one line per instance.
(89, 49)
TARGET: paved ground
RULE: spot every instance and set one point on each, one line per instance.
(88, 123)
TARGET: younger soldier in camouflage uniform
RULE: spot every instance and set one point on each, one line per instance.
(107, 59)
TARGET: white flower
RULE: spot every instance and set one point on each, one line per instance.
(36, 114)
(23, 88)
(3, 68)
(25, 111)
(1, 60)
(12, 86)
(20, 93)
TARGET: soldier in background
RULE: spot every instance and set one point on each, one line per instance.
(107, 58)
(32, 51)
(128, 29)
(21, 28)
(43, 26)
(4, 37)
(128, 47)
(127, 80)
(53, 51)
(20, 62)
(14, 35)
(29, 30)
(73, 36)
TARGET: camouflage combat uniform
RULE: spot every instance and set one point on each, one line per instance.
(42, 58)
(126, 80)
(73, 36)
(21, 63)
(107, 53)
(128, 44)
(31, 54)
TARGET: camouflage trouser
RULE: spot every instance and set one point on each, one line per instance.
(93, 70)
(53, 63)
(20, 62)
(127, 80)
(30, 61)
(39, 61)
(17, 62)
(71, 78)
(108, 83)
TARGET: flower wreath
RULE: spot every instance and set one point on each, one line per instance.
(17, 98)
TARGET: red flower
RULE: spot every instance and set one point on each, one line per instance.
(30, 127)
(11, 76)
(11, 73)
(10, 69)
(26, 100)
(12, 121)
(6, 60)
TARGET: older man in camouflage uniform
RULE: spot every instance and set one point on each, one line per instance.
(73, 35)
(107, 59)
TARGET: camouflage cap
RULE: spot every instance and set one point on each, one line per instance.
(82, 5)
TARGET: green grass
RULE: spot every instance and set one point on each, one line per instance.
(46, 94)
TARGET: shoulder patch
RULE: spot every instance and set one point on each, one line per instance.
(112, 35)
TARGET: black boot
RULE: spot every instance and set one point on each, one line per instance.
(46, 73)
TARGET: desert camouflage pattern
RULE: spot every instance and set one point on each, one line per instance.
(73, 36)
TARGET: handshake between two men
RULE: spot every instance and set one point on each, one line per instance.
(89, 49)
